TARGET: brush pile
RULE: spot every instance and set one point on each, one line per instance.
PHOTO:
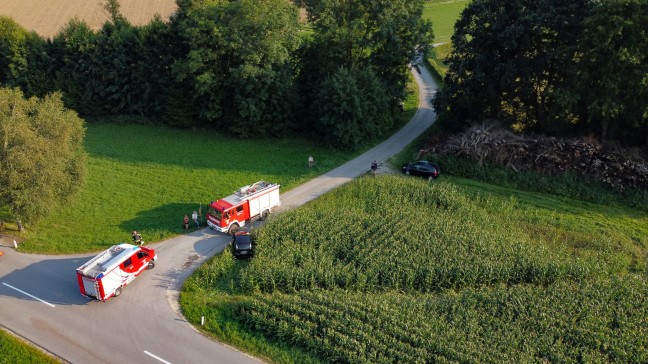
(489, 144)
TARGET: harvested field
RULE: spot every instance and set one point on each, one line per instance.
(47, 17)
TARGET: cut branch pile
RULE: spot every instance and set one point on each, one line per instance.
(492, 145)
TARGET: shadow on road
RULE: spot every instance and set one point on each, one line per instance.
(51, 280)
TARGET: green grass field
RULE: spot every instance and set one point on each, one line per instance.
(397, 269)
(147, 178)
(13, 350)
(443, 15)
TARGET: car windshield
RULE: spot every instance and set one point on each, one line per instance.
(216, 214)
(243, 241)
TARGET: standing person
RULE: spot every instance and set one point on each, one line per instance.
(374, 167)
(186, 222)
(194, 217)
(137, 238)
(311, 161)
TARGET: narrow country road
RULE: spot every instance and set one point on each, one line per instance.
(40, 299)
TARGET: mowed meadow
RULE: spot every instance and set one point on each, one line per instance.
(398, 269)
(46, 18)
(147, 178)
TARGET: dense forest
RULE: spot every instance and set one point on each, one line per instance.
(564, 68)
(255, 69)
(249, 68)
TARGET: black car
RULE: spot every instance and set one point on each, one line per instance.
(422, 168)
(242, 245)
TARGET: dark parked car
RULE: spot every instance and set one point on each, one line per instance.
(422, 168)
(242, 245)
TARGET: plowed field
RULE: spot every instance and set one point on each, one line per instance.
(46, 17)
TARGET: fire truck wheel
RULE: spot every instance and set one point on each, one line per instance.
(118, 292)
(151, 265)
(264, 214)
(234, 229)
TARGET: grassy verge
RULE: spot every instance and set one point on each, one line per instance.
(13, 350)
(460, 271)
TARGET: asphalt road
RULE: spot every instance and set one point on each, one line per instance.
(40, 299)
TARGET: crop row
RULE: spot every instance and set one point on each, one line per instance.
(601, 321)
(363, 237)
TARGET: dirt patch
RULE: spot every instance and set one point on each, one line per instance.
(190, 261)
(7, 240)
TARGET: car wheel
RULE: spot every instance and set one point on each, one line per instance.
(150, 265)
(118, 292)
(265, 214)
(234, 229)
(407, 172)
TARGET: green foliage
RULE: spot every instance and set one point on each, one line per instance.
(23, 59)
(42, 163)
(13, 350)
(383, 35)
(602, 321)
(546, 66)
(74, 68)
(351, 108)
(239, 64)
(566, 185)
(355, 67)
(373, 247)
(394, 269)
(611, 74)
(436, 60)
(507, 62)
(121, 69)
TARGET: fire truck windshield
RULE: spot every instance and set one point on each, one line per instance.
(216, 214)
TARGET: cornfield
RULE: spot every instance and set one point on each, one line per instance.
(402, 234)
(603, 321)
(401, 270)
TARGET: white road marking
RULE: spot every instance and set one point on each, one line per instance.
(156, 357)
(25, 293)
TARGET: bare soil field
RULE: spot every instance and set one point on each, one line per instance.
(47, 17)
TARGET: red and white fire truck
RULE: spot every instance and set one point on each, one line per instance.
(104, 276)
(250, 202)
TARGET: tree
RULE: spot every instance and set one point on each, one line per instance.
(24, 61)
(509, 60)
(75, 70)
(358, 46)
(611, 73)
(351, 109)
(239, 62)
(42, 162)
(384, 35)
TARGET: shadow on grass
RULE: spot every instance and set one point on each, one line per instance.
(204, 150)
(165, 221)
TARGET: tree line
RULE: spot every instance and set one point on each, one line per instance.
(551, 66)
(247, 67)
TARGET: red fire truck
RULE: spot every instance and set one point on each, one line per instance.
(250, 202)
(104, 276)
